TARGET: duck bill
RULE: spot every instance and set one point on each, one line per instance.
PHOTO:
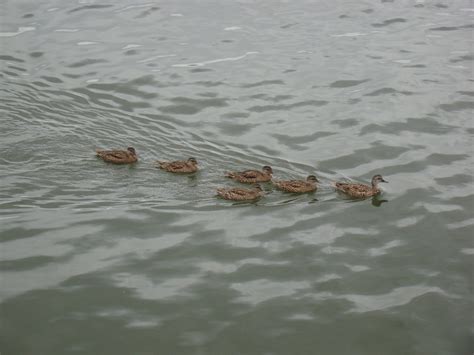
(384, 181)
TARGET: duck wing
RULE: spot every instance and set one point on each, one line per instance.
(354, 189)
(250, 174)
(237, 194)
(295, 186)
(241, 192)
(177, 165)
(170, 164)
(116, 156)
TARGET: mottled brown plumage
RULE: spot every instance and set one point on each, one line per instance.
(239, 194)
(118, 156)
(179, 166)
(252, 176)
(298, 186)
(356, 190)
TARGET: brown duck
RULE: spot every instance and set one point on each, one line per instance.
(360, 190)
(298, 186)
(118, 156)
(252, 176)
(179, 166)
(239, 194)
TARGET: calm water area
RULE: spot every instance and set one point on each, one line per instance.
(105, 259)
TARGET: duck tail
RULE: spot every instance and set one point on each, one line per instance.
(99, 152)
(230, 174)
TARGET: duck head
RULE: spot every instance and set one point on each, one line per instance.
(376, 179)
(267, 169)
(132, 150)
(312, 178)
(192, 161)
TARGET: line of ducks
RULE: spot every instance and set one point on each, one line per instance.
(354, 190)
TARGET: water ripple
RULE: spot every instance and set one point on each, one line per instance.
(89, 7)
(347, 83)
(398, 297)
(389, 22)
(158, 258)
(213, 61)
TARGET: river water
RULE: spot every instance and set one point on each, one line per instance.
(103, 259)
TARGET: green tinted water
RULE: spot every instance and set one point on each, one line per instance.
(101, 259)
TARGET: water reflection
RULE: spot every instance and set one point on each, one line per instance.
(378, 201)
(155, 260)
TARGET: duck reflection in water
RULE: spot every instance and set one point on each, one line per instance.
(377, 201)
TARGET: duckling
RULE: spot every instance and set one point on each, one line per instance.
(179, 166)
(360, 190)
(298, 186)
(128, 156)
(252, 176)
(239, 194)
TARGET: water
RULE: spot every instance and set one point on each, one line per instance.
(101, 259)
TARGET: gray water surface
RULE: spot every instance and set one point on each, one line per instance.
(103, 259)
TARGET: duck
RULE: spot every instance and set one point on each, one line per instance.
(116, 156)
(239, 194)
(356, 190)
(179, 166)
(252, 176)
(298, 186)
